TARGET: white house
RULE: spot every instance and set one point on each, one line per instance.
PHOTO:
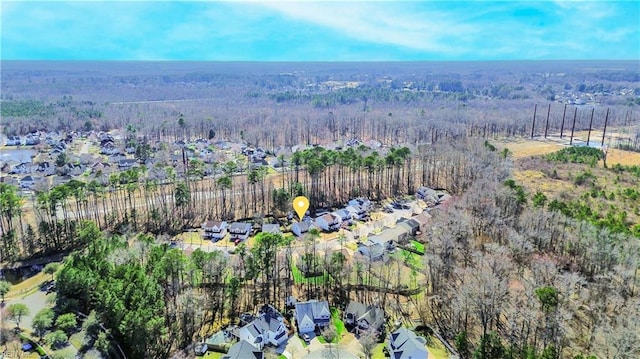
(14, 141)
(301, 228)
(215, 230)
(357, 212)
(362, 202)
(312, 314)
(240, 231)
(268, 328)
(328, 222)
(405, 344)
(343, 216)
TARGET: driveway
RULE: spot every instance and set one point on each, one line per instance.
(35, 302)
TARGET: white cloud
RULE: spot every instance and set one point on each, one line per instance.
(379, 22)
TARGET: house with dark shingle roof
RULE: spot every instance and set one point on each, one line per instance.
(312, 314)
(405, 344)
(240, 231)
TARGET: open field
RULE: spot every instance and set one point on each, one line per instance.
(521, 148)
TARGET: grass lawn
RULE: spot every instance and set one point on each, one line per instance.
(418, 246)
(27, 286)
(353, 246)
(377, 352)
(299, 278)
(213, 355)
(337, 322)
(77, 339)
(190, 238)
(437, 349)
(68, 352)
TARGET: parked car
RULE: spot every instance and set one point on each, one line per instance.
(200, 349)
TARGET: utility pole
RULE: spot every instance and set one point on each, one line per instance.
(574, 125)
(562, 125)
(546, 127)
(590, 123)
(533, 125)
(606, 119)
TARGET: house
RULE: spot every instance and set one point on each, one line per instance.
(312, 314)
(405, 344)
(215, 230)
(109, 149)
(362, 202)
(22, 169)
(269, 328)
(126, 163)
(409, 224)
(353, 311)
(32, 140)
(271, 228)
(243, 350)
(27, 182)
(328, 222)
(240, 231)
(362, 317)
(371, 250)
(46, 168)
(266, 329)
(357, 212)
(423, 220)
(343, 216)
(371, 320)
(430, 196)
(301, 228)
(14, 141)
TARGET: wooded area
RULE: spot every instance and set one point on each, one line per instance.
(509, 270)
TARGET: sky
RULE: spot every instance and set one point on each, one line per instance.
(320, 31)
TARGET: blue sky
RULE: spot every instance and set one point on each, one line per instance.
(320, 31)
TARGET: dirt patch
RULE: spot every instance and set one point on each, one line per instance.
(626, 158)
(522, 148)
(526, 148)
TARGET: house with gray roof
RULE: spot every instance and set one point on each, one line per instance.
(430, 196)
(244, 350)
(240, 231)
(301, 228)
(216, 230)
(357, 212)
(405, 344)
(372, 250)
(328, 222)
(363, 317)
(271, 228)
(343, 216)
(312, 314)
